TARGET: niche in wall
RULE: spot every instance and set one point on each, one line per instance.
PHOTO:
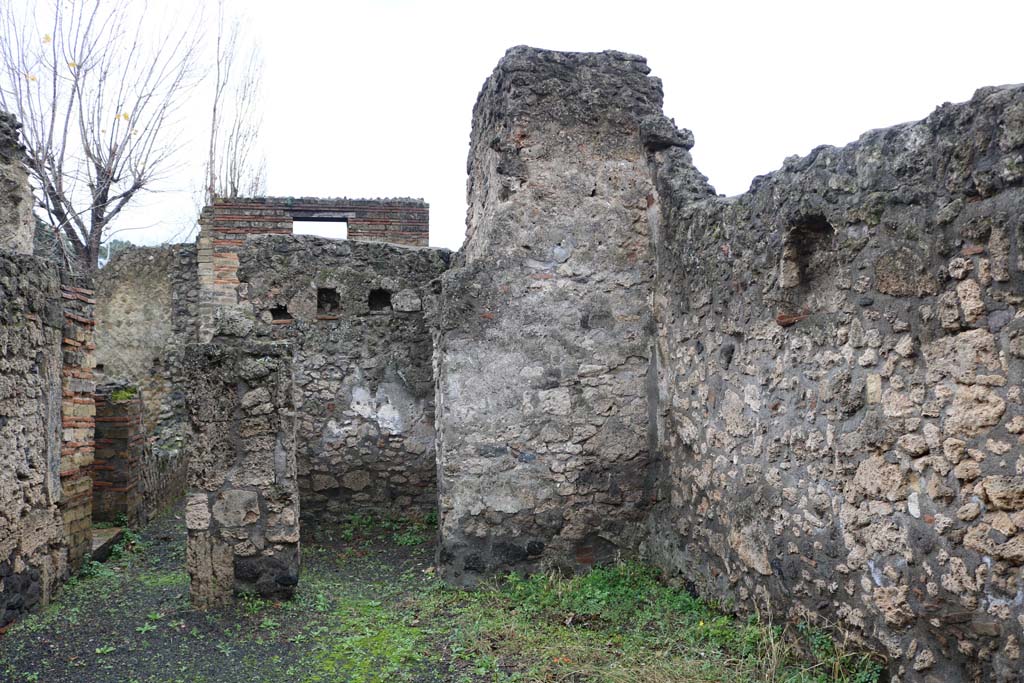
(805, 250)
(280, 314)
(328, 301)
(379, 300)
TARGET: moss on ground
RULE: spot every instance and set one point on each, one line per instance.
(369, 610)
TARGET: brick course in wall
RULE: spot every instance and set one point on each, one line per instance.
(225, 225)
(120, 449)
(78, 412)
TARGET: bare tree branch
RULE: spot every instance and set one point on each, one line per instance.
(96, 91)
(235, 165)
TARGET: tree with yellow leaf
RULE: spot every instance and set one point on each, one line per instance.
(96, 84)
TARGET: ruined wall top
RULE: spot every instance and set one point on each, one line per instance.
(544, 108)
(403, 220)
(16, 202)
(225, 225)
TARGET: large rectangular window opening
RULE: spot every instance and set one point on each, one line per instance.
(332, 228)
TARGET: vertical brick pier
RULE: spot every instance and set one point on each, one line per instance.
(78, 412)
(120, 448)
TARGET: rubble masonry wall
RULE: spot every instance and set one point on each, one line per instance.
(33, 550)
(354, 313)
(841, 355)
(544, 327)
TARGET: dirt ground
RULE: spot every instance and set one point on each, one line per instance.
(129, 620)
(369, 609)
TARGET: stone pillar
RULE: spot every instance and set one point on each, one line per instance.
(544, 329)
(243, 505)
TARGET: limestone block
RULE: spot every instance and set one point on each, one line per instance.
(973, 409)
(197, 512)
(1005, 492)
(235, 507)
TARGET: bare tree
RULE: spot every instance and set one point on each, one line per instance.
(96, 84)
(235, 167)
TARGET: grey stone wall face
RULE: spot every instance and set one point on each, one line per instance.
(16, 201)
(840, 365)
(242, 510)
(225, 225)
(146, 315)
(544, 326)
(146, 308)
(33, 549)
(363, 374)
(33, 541)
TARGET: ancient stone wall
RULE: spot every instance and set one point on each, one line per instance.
(354, 313)
(120, 452)
(78, 411)
(147, 305)
(225, 225)
(840, 356)
(544, 327)
(243, 503)
(33, 555)
(16, 201)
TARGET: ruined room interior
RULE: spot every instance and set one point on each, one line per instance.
(804, 399)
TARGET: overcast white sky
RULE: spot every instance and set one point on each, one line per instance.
(374, 98)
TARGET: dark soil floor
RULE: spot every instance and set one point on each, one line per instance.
(368, 609)
(129, 620)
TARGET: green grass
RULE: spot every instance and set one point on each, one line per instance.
(364, 642)
(620, 624)
(613, 625)
(374, 612)
(123, 394)
(366, 528)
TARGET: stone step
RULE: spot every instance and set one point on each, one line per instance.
(104, 540)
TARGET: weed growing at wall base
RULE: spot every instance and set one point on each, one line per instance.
(620, 624)
(372, 611)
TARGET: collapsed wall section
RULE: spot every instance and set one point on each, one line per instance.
(841, 356)
(354, 314)
(544, 327)
(33, 554)
(242, 510)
